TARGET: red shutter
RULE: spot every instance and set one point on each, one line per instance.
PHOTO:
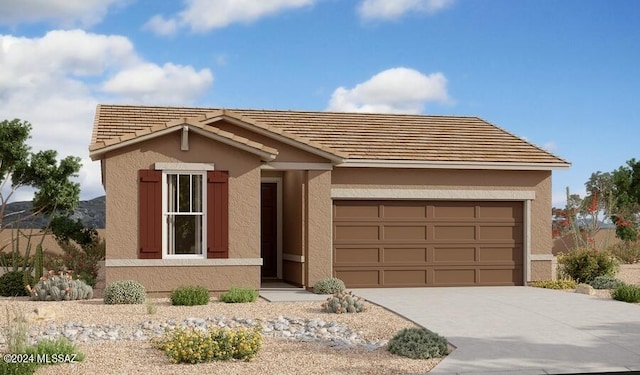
(217, 214)
(150, 214)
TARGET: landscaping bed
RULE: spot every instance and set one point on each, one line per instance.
(129, 349)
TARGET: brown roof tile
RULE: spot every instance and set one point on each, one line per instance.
(356, 136)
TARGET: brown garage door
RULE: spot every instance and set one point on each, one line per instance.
(427, 243)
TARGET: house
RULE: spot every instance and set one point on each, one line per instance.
(220, 197)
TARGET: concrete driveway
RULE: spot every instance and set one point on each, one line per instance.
(521, 330)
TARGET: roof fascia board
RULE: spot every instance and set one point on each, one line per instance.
(295, 166)
(97, 154)
(278, 137)
(365, 163)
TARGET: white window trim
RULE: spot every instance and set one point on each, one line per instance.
(165, 226)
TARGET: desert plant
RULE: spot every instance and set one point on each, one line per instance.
(418, 343)
(585, 264)
(59, 350)
(554, 284)
(152, 307)
(626, 252)
(124, 292)
(626, 293)
(190, 296)
(12, 284)
(38, 262)
(239, 295)
(16, 330)
(329, 285)
(605, 282)
(22, 368)
(344, 302)
(187, 345)
(60, 286)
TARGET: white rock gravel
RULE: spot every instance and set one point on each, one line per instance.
(123, 346)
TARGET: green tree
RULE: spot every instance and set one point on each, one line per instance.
(626, 182)
(55, 192)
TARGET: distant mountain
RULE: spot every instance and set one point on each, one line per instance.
(90, 212)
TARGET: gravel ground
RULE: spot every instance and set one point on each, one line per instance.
(277, 356)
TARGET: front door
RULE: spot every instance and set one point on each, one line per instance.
(269, 229)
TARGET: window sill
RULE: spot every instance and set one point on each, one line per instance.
(182, 262)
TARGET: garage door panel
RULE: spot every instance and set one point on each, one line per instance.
(356, 211)
(500, 254)
(454, 232)
(454, 211)
(405, 277)
(404, 255)
(359, 278)
(454, 254)
(355, 233)
(452, 276)
(404, 233)
(428, 243)
(404, 211)
(346, 255)
(500, 233)
(496, 276)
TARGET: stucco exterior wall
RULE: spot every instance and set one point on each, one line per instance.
(444, 179)
(121, 171)
(319, 257)
(286, 153)
(164, 279)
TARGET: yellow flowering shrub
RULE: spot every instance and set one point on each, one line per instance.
(188, 345)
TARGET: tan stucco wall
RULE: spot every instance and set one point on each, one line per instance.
(443, 179)
(165, 279)
(286, 153)
(542, 270)
(121, 171)
(319, 254)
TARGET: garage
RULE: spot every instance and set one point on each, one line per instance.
(405, 243)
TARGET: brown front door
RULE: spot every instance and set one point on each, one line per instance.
(269, 229)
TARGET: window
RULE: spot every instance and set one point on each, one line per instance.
(184, 229)
(183, 212)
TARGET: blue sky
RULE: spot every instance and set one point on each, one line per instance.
(563, 74)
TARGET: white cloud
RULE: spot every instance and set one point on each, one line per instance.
(205, 15)
(161, 26)
(395, 90)
(55, 82)
(394, 9)
(65, 13)
(152, 84)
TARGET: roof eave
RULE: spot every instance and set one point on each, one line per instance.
(98, 153)
(374, 163)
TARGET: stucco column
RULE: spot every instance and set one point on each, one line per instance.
(319, 254)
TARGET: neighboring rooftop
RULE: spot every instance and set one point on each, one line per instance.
(353, 136)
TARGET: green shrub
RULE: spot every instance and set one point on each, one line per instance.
(418, 343)
(605, 282)
(239, 295)
(344, 302)
(63, 349)
(60, 287)
(626, 293)
(190, 296)
(14, 284)
(124, 292)
(554, 284)
(187, 345)
(626, 252)
(329, 285)
(585, 264)
(24, 368)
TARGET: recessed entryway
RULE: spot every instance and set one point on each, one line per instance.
(270, 229)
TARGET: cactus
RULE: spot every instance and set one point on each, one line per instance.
(38, 262)
(60, 287)
(344, 302)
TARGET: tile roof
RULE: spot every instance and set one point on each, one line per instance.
(355, 136)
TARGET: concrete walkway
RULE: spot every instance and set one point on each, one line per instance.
(521, 330)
